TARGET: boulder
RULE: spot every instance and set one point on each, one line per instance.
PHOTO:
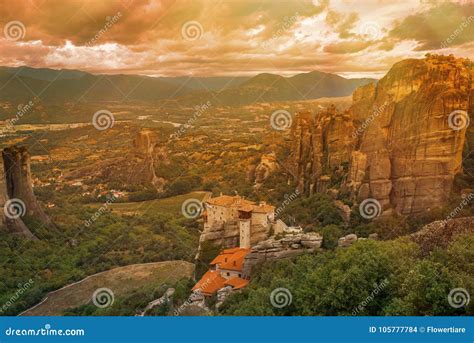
(347, 241)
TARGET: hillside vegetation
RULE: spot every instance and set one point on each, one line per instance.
(370, 278)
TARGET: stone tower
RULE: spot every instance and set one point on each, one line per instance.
(244, 228)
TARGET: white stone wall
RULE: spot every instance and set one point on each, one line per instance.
(218, 214)
(227, 273)
(259, 219)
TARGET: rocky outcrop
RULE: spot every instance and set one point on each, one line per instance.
(347, 241)
(261, 168)
(401, 141)
(273, 249)
(344, 210)
(19, 190)
(440, 233)
(268, 165)
(15, 226)
(320, 144)
(138, 166)
(144, 152)
(166, 298)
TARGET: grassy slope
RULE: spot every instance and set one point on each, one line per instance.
(120, 280)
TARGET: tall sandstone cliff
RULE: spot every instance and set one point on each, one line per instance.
(135, 167)
(18, 184)
(396, 143)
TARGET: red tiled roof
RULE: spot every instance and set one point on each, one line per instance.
(218, 259)
(232, 258)
(235, 260)
(236, 282)
(229, 259)
(210, 282)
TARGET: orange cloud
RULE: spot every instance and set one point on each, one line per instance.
(230, 37)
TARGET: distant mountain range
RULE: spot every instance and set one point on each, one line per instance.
(271, 87)
(20, 84)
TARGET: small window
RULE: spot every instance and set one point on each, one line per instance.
(240, 275)
(228, 274)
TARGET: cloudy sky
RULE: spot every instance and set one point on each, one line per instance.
(352, 38)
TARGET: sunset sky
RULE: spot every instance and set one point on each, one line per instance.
(233, 37)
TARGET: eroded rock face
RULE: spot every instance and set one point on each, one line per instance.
(13, 225)
(18, 184)
(289, 246)
(396, 137)
(320, 144)
(145, 151)
(136, 167)
(268, 165)
(441, 233)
